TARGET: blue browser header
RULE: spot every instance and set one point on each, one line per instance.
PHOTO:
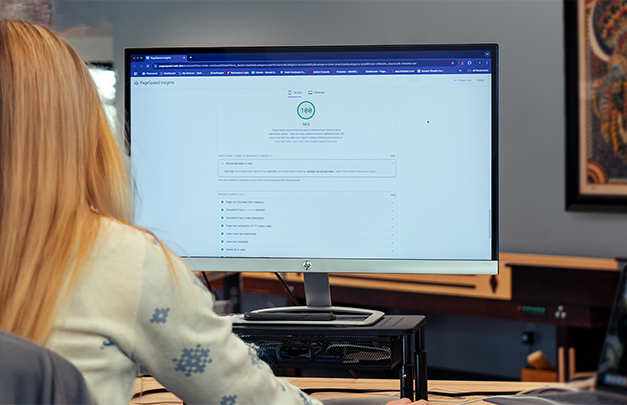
(311, 63)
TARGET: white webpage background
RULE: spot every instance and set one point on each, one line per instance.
(435, 131)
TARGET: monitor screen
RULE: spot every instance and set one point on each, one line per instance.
(318, 158)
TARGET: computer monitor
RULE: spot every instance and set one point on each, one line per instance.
(318, 159)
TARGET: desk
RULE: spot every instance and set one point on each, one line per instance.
(573, 293)
(379, 384)
(358, 384)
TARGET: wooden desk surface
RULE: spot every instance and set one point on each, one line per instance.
(362, 384)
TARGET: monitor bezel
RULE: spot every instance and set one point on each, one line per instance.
(334, 265)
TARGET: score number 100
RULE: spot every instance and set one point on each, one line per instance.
(306, 110)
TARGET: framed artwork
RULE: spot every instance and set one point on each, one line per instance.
(596, 105)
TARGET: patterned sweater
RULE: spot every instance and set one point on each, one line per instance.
(129, 313)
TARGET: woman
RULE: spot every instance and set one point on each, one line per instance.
(75, 275)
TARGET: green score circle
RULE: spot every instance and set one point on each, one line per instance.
(306, 110)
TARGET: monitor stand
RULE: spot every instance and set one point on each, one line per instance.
(318, 310)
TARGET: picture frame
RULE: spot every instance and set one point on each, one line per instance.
(596, 105)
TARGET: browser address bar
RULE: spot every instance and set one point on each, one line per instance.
(418, 63)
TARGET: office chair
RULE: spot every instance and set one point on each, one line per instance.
(32, 374)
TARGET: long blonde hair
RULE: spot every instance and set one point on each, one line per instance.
(60, 170)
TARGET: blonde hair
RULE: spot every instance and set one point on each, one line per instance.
(60, 170)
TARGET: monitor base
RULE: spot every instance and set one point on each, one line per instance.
(310, 315)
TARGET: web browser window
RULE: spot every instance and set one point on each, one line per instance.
(302, 156)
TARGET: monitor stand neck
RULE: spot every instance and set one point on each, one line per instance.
(318, 298)
(317, 289)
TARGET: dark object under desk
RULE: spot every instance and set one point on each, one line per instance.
(393, 340)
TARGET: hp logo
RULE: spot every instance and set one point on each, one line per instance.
(306, 265)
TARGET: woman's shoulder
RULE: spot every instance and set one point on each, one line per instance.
(121, 242)
(119, 239)
(113, 230)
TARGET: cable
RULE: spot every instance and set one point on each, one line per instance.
(430, 392)
(287, 288)
(207, 281)
(209, 287)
